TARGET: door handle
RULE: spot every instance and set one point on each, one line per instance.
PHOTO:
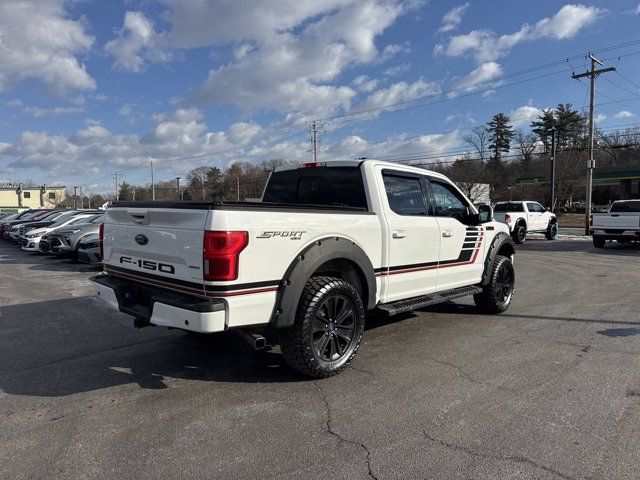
(399, 233)
(447, 233)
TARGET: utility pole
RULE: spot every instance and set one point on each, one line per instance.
(115, 176)
(178, 186)
(134, 193)
(153, 185)
(314, 141)
(75, 197)
(238, 189)
(592, 74)
(81, 198)
(553, 169)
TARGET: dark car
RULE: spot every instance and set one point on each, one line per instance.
(89, 249)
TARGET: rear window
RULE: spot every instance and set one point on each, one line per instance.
(621, 207)
(508, 207)
(326, 186)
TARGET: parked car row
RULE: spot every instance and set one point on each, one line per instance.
(72, 233)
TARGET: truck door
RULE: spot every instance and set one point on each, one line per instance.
(412, 236)
(536, 216)
(462, 244)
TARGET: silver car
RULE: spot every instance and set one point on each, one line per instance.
(65, 240)
(89, 249)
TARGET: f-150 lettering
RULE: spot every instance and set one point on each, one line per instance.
(149, 265)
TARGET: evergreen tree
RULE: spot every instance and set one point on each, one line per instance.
(500, 135)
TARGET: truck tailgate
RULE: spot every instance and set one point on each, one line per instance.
(619, 221)
(157, 242)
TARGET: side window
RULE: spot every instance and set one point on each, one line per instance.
(534, 207)
(26, 194)
(404, 194)
(448, 202)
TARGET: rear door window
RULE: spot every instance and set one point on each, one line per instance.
(404, 194)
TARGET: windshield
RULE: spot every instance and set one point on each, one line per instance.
(626, 207)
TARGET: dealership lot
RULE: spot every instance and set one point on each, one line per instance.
(551, 389)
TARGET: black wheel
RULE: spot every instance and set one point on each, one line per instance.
(327, 329)
(599, 242)
(497, 295)
(519, 234)
(552, 231)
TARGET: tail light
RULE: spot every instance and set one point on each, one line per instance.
(221, 254)
(101, 240)
(507, 218)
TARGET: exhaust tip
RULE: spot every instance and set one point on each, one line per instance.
(257, 341)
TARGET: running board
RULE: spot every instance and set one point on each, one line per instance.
(409, 304)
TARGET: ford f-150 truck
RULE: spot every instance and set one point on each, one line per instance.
(621, 223)
(526, 217)
(327, 243)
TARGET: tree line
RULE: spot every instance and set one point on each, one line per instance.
(514, 163)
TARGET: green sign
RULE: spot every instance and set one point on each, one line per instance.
(530, 181)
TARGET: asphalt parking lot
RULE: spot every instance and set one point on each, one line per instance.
(551, 389)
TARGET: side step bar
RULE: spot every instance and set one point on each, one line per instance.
(402, 306)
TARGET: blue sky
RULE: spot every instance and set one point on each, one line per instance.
(89, 88)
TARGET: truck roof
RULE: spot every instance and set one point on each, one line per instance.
(357, 163)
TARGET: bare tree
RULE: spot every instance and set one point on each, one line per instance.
(526, 144)
(479, 140)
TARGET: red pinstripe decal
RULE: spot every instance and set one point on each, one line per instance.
(418, 269)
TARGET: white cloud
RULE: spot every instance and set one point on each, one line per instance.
(287, 54)
(485, 72)
(637, 10)
(397, 70)
(452, 18)
(400, 92)
(524, 115)
(91, 134)
(365, 84)
(135, 43)
(39, 112)
(287, 71)
(623, 114)
(38, 40)
(600, 117)
(486, 46)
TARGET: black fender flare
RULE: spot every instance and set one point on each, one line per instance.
(501, 239)
(307, 263)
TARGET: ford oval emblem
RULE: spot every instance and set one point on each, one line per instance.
(141, 239)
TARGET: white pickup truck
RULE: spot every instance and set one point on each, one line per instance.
(526, 217)
(327, 243)
(621, 223)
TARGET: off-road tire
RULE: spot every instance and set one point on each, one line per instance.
(599, 242)
(489, 300)
(519, 234)
(552, 231)
(296, 342)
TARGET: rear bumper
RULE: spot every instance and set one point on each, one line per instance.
(152, 306)
(615, 234)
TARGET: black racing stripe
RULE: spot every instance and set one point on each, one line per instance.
(198, 286)
(155, 277)
(241, 286)
(378, 270)
(469, 245)
(414, 265)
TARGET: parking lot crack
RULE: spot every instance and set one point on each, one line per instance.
(332, 431)
(468, 376)
(488, 456)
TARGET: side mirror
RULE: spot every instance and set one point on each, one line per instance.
(485, 213)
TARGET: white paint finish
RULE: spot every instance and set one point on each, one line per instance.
(170, 316)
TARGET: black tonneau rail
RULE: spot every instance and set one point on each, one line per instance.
(264, 206)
